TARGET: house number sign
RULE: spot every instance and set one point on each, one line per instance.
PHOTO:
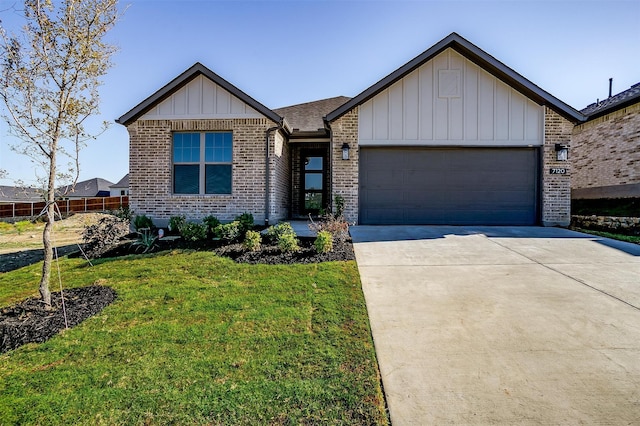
(557, 171)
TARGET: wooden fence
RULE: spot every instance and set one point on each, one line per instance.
(81, 205)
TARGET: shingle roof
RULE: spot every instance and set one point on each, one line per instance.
(479, 57)
(122, 183)
(308, 117)
(621, 100)
(88, 188)
(20, 194)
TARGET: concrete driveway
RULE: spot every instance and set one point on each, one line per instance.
(503, 325)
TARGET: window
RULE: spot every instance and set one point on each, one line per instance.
(202, 163)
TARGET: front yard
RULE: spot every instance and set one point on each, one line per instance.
(193, 338)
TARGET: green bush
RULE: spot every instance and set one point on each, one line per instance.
(324, 242)
(176, 223)
(275, 232)
(288, 243)
(252, 241)
(146, 241)
(246, 222)
(212, 223)
(229, 231)
(123, 212)
(192, 231)
(141, 222)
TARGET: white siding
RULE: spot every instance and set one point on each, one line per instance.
(201, 98)
(450, 101)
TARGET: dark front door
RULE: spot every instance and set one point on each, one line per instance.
(313, 180)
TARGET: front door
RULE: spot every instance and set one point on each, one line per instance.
(313, 180)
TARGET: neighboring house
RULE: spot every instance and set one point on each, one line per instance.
(606, 148)
(452, 137)
(19, 194)
(120, 188)
(95, 187)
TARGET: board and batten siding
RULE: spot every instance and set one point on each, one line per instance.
(201, 98)
(450, 101)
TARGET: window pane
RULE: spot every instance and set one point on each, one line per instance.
(313, 181)
(186, 147)
(185, 179)
(218, 179)
(313, 163)
(218, 147)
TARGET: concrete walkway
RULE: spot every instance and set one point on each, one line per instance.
(503, 325)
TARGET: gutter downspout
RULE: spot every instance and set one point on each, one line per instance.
(266, 173)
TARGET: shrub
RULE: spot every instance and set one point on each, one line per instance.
(103, 235)
(229, 231)
(146, 240)
(246, 222)
(176, 223)
(123, 212)
(288, 243)
(324, 242)
(337, 226)
(252, 241)
(338, 203)
(192, 231)
(142, 221)
(275, 232)
(212, 223)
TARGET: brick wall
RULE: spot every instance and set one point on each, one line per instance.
(280, 177)
(345, 180)
(150, 171)
(606, 151)
(556, 188)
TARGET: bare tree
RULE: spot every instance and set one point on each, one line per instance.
(50, 75)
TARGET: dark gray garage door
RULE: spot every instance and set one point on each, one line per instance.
(449, 186)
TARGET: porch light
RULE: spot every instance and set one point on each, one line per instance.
(562, 152)
(345, 151)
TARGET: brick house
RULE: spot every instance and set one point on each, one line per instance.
(452, 137)
(606, 148)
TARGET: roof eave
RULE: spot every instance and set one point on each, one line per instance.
(480, 58)
(184, 78)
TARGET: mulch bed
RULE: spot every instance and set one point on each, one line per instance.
(29, 321)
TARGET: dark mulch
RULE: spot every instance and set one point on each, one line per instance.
(29, 321)
(16, 260)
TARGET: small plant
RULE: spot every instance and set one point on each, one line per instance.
(246, 221)
(146, 240)
(335, 225)
(324, 242)
(276, 231)
(252, 241)
(212, 223)
(123, 212)
(192, 231)
(338, 203)
(176, 223)
(103, 235)
(229, 231)
(142, 221)
(288, 243)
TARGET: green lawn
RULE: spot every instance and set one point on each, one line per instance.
(197, 339)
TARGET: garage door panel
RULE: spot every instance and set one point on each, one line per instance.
(448, 186)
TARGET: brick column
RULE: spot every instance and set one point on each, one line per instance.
(345, 172)
(556, 188)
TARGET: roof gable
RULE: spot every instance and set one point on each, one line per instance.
(230, 95)
(477, 56)
(308, 117)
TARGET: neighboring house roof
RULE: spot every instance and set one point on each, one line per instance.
(621, 100)
(480, 58)
(184, 78)
(18, 194)
(95, 187)
(122, 183)
(308, 117)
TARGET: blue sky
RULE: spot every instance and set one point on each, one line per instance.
(287, 52)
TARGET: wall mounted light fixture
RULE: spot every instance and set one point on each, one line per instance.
(562, 152)
(345, 151)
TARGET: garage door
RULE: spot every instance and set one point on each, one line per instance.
(471, 186)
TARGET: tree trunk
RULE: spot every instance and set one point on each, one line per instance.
(48, 255)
